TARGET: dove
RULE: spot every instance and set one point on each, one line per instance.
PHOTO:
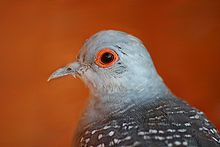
(129, 104)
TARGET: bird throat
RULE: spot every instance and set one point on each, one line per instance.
(102, 106)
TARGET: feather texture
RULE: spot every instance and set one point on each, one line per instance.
(164, 122)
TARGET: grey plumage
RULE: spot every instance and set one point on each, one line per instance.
(129, 103)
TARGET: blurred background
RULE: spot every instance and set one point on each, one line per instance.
(36, 37)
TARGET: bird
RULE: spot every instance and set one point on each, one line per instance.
(129, 104)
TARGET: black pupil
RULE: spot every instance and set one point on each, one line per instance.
(107, 58)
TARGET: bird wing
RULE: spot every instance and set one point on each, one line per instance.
(165, 122)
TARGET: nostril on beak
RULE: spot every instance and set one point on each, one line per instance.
(68, 69)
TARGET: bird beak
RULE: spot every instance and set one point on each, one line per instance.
(70, 69)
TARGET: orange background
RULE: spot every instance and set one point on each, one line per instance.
(37, 37)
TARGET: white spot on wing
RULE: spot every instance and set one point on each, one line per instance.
(161, 132)
(106, 127)
(101, 145)
(152, 131)
(141, 133)
(169, 137)
(176, 136)
(116, 140)
(187, 124)
(187, 135)
(87, 140)
(93, 132)
(111, 133)
(171, 130)
(181, 130)
(177, 143)
(100, 136)
(185, 143)
(159, 138)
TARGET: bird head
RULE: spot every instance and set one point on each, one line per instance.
(112, 62)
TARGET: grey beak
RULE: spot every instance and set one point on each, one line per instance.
(70, 69)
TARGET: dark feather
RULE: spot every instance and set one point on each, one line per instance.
(164, 122)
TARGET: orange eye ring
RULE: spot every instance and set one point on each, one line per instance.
(106, 58)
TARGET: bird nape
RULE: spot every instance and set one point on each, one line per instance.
(129, 103)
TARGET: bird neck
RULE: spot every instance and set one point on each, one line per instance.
(102, 105)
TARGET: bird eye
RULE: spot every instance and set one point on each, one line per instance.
(106, 58)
